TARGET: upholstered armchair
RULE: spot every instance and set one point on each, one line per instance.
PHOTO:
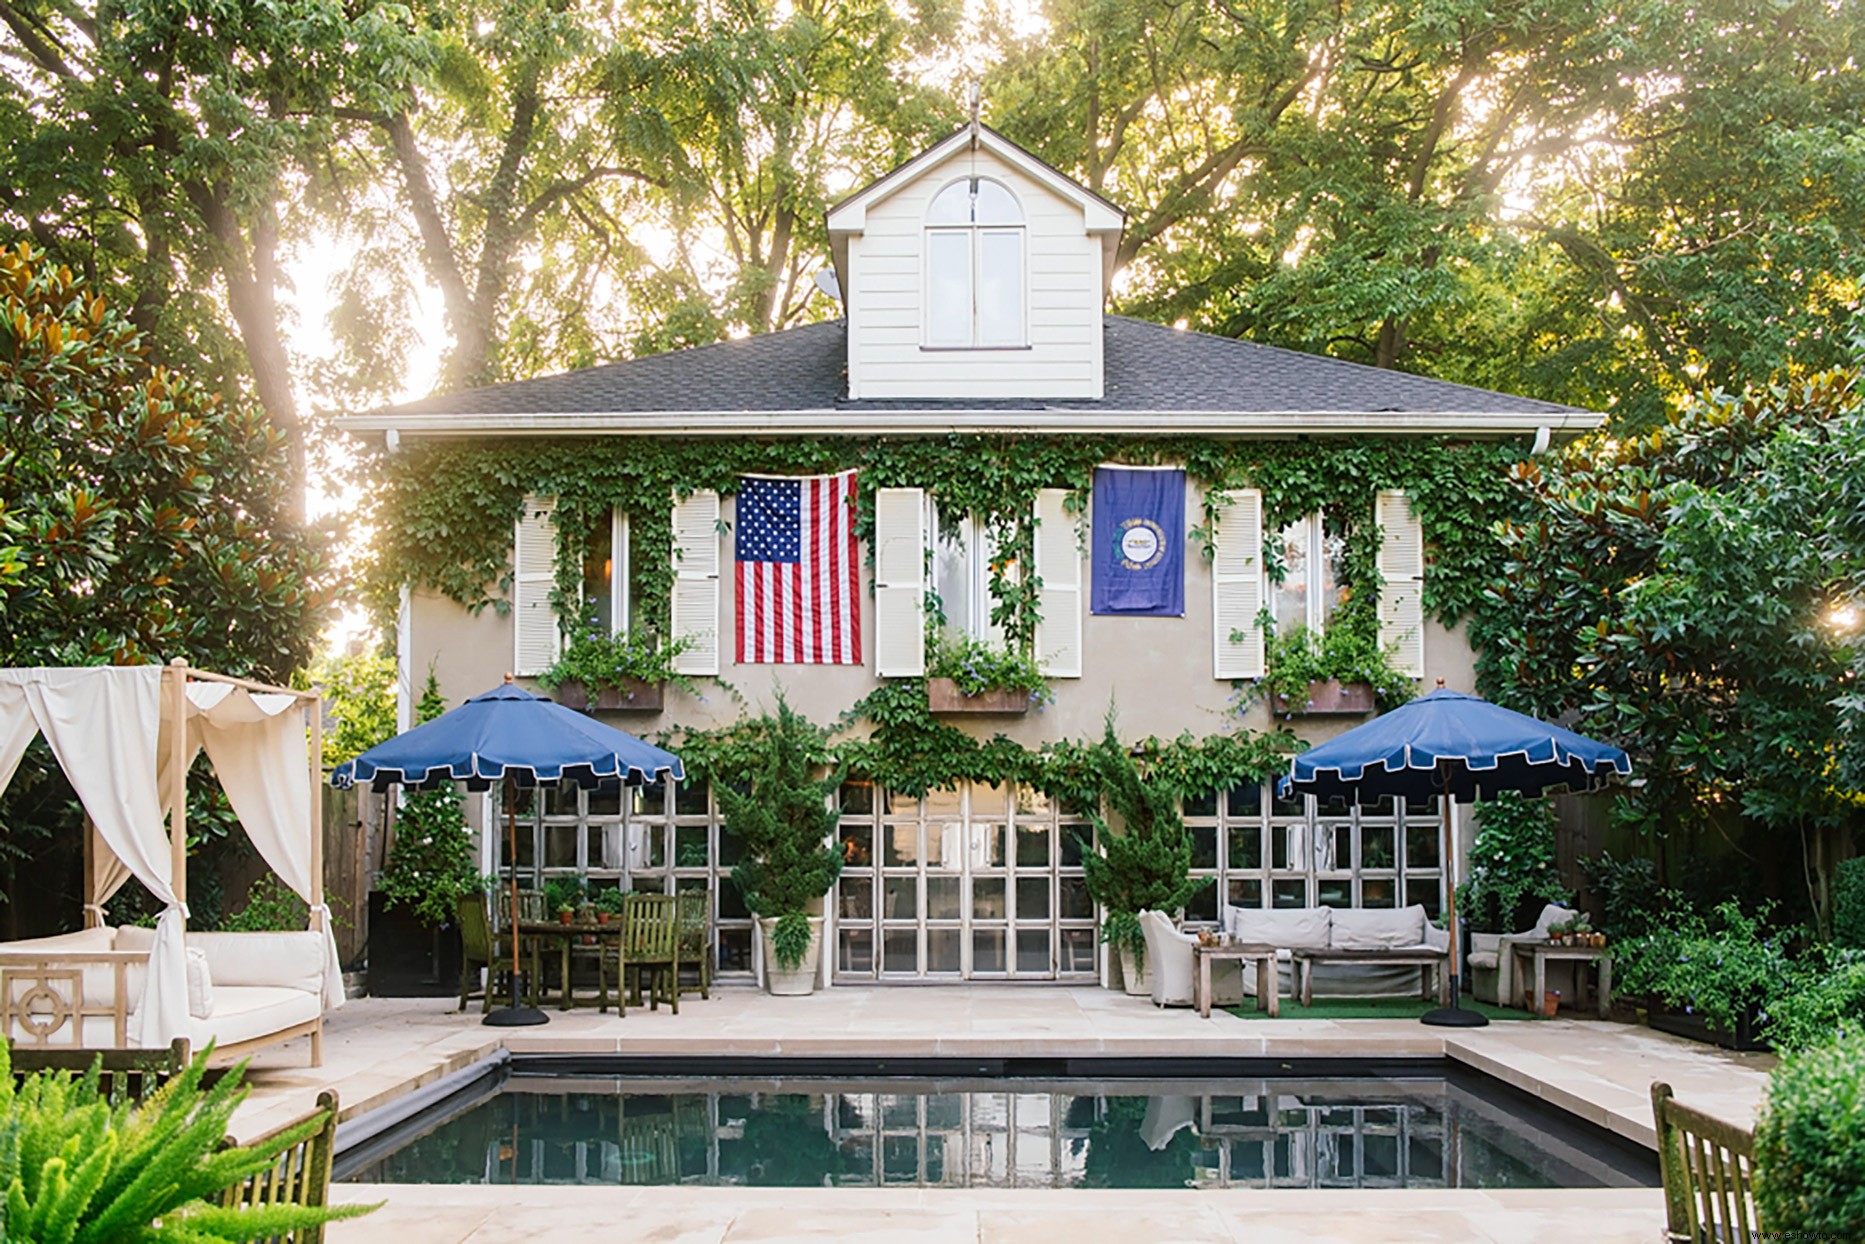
(1170, 960)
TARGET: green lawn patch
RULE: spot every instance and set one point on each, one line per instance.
(1368, 1008)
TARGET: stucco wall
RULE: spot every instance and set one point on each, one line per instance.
(1156, 671)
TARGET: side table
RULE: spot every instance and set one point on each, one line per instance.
(1265, 957)
(1539, 952)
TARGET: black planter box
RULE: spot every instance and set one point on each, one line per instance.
(1747, 1034)
(407, 959)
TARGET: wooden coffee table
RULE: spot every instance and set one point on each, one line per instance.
(1539, 952)
(1265, 957)
(1426, 961)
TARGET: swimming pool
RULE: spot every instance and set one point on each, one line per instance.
(1428, 1125)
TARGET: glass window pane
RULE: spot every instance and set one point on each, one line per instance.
(1285, 844)
(1291, 893)
(1246, 847)
(993, 204)
(855, 899)
(1334, 892)
(1427, 894)
(856, 798)
(689, 799)
(987, 846)
(987, 898)
(1203, 904)
(901, 846)
(606, 800)
(900, 898)
(1380, 892)
(948, 288)
(606, 845)
(1073, 902)
(1246, 892)
(1204, 846)
(560, 846)
(1032, 898)
(1000, 288)
(951, 206)
(1200, 805)
(1033, 846)
(690, 846)
(1078, 950)
(599, 578)
(735, 950)
(1421, 846)
(944, 898)
(1033, 951)
(943, 948)
(731, 903)
(900, 951)
(1071, 838)
(732, 849)
(1244, 801)
(1290, 596)
(857, 846)
(987, 950)
(951, 570)
(857, 950)
(1376, 847)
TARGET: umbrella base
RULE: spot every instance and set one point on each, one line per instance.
(1443, 1017)
(516, 1017)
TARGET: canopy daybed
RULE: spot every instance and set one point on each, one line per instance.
(126, 737)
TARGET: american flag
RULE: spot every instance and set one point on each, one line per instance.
(798, 577)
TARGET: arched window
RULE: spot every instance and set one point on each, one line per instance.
(974, 267)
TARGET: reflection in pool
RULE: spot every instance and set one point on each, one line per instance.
(1265, 1133)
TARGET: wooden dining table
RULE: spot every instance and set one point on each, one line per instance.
(537, 932)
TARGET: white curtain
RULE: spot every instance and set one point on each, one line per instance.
(103, 724)
(258, 746)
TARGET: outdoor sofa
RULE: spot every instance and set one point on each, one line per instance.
(245, 990)
(1399, 930)
(1492, 965)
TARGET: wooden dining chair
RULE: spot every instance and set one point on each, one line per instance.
(695, 939)
(651, 947)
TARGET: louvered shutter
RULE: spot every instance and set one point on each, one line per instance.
(537, 639)
(696, 581)
(1058, 565)
(1401, 593)
(900, 582)
(1237, 586)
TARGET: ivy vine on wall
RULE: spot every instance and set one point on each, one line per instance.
(446, 508)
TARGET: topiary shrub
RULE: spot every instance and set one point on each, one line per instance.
(431, 864)
(1147, 866)
(1513, 873)
(1849, 903)
(1810, 1144)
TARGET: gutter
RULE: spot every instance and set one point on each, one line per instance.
(1231, 424)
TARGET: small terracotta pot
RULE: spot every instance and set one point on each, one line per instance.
(567, 917)
(602, 917)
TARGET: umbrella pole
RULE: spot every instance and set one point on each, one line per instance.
(1452, 1016)
(517, 1015)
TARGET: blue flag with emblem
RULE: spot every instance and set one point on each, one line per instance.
(1139, 542)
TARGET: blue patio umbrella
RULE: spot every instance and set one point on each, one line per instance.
(1457, 747)
(509, 735)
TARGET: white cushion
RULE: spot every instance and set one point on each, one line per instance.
(87, 940)
(292, 959)
(246, 1012)
(1377, 928)
(200, 979)
(1292, 928)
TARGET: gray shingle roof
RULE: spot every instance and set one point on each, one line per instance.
(1148, 368)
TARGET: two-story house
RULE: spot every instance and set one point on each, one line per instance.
(972, 386)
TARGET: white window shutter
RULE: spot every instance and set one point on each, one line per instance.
(696, 581)
(537, 639)
(1237, 586)
(1058, 565)
(619, 603)
(900, 582)
(1401, 593)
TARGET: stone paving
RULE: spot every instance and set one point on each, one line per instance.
(379, 1049)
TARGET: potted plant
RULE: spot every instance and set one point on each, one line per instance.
(564, 895)
(617, 672)
(785, 821)
(966, 675)
(1146, 864)
(414, 937)
(608, 904)
(1341, 671)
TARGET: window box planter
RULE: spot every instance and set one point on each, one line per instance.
(943, 696)
(1328, 697)
(1747, 1034)
(633, 696)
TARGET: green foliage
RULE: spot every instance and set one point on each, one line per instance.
(790, 938)
(1146, 864)
(431, 863)
(1664, 587)
(1825, 1000)
(599, 661)
(563, 894)
(1632, 902)
(270, 905)
(157, 514)
(1810, 1144)
(1721, 968)
(78, 1168)
(784, 817)
(445, 509)
(1512, 866)
(359, 703)
(976, 666)
(785, 1144)
(1344, 651)
(611, 899)
(1849, 903)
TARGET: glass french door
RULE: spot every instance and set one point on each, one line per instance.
(975, 882)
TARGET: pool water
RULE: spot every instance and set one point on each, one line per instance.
(1438, 1131)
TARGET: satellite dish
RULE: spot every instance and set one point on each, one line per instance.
(826, 282)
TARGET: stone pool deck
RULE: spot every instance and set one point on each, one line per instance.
(377, 1050)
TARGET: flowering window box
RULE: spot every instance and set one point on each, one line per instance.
(943, 696)
(1327, 697)
(633, 696)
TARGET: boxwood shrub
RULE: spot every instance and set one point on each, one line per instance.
(1810, 1144)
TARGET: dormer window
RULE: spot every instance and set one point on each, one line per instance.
(974, 268)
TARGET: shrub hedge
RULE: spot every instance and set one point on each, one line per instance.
(1810, 1144)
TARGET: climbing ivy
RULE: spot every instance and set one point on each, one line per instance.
(446, 508)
